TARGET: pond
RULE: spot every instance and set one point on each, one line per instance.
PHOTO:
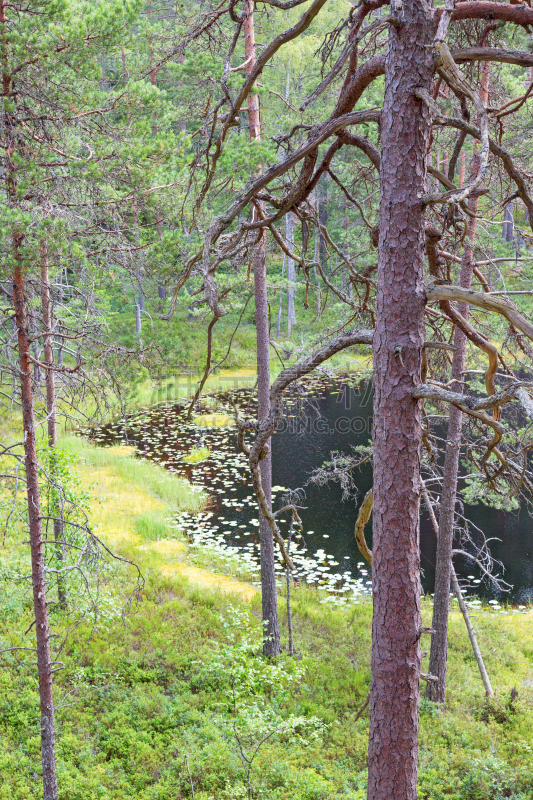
(331, 415)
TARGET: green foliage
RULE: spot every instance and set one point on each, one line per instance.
(171, 689)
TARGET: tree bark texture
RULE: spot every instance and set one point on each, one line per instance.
(42, 630)
(269, 598)
(398, 345)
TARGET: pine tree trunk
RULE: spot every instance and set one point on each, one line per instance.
(436, 691)
(322, 191)
(316, 255)
(508, 225)
(32, 328)
(138, 326)
(462, 168)
(398, 346)
(51, 411)
(60, 303)
(291, 271)
(280, 305)
(42, 630)
(269, 597)
(464, 609)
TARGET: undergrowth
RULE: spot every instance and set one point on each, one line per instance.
(175, 698)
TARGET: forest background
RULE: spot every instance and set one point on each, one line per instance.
(122, 152)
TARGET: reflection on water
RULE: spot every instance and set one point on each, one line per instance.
(330, 415)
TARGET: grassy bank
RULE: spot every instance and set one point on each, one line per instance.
(157, 705)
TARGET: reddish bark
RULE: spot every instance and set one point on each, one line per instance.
(484, 9)
(269, 598)
(398, 346)
(42, 630)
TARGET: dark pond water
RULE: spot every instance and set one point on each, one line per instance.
(331, 415)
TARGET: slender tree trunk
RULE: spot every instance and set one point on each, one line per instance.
(183, 123)
(398, 345)
(60, 302)
(464, 609)
(269, 597)
(42, 629)
(291, 272)
(316, 256)
(280, 305)
(289, 232)
(32, 328)
(508, 225)
(436, 690)
(51, 412)
(462, 168)
(322, 191)
(439, 644)
(288, 578)
(138, 327)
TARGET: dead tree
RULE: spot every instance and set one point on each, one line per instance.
(269, 600)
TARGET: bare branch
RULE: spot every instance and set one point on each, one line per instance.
(484, 301)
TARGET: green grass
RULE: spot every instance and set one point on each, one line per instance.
(145, 701)
(196, 455)
(135, 472)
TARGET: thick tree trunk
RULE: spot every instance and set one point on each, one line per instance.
(291, 272)
(271, 635)
(42, 630)
(51, 412)
(398, 345)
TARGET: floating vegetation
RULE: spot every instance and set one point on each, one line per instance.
(197, 455)
(206, 453)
